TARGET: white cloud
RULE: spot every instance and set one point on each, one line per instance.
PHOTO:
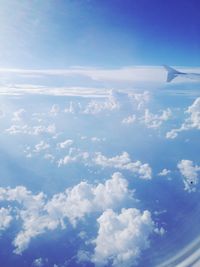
(139, 99)
(65, 144)
(49, 157)
(83, 256)
(41, 147)
(97, 139)
(55, 110)
(190, 174)
(123, 162)
(18, 114)
(94, 106)
(164, 172)
(154, 120)
(39, 215)
(74, 155)
(192, 122)
(122, 237)
(40, 262)
(129, 120)
(84, 198)
(31, 130)
(194, 112)
(5, 218)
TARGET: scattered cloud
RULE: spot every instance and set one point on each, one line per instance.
(31, 130)
(41, 147)
(83, 256)
(129, 120)
(164, 172)
(18, 115)
(139, 99)
(190, 174)
(38, 214)
(122, 237)
(154, 120)
(5, 218)
(65, 144)
(191, 122)
(40, 262)
(94, 106)
(54, 110)
(123, 162)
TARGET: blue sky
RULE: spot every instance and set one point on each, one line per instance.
(99, 154)
(58, 34)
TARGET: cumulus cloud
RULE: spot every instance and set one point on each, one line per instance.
(96, 139)
(94, 106)
(190, 174)
(123, 162)
(40, 262)
(154, 120)
(74, 155)
(191, 122)
(54, 110)
(121, 237)
(164, 172)
(18, 114)
(39, 215)
(31, 130)
(49, 157)
(5, 218)
(129, 120)
(41, 146)
(65, 144)
(139, 99)
(84, 198)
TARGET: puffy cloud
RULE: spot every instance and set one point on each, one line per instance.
(129, 120)
(41, 146)
(84, 198)
(49, 157)
(74, 155)
(66, 143)
(17, 115)
(97, 139)
(192, 122)
(122, 237)
(123, 162)
(55, 110)
(94, 106)
(40, 262)
(83, 256)
(164, 172)
(39, 215)
(194, 112)
(139, 99)
(5, 218)
(154, 120)
(34, 130)
(190, 174)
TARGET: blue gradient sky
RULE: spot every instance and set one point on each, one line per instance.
(57, 34)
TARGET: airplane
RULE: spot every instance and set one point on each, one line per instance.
(173, 73)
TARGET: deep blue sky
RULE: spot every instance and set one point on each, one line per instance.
(58, 34)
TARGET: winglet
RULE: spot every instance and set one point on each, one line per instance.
(171, 73)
